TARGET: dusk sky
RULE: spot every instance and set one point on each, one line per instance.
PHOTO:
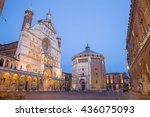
(100, 23)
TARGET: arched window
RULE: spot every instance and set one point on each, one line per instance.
(11, 65)
(28, 67)
(1, 61)
(143, 26)
(16, 66)
(6, 78)
(7, 63)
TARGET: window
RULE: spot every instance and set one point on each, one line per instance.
(143, 26)
(82, 69)
(96, 73)
(96, 81)
(95, 60)
(7, 63)
(133, 33)
(1, 61)
(83, 60)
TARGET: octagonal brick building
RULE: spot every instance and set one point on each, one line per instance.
(88, 71)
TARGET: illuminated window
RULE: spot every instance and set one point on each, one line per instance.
(7, 63)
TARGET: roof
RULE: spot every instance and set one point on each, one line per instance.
(16, 42)
(88, 51)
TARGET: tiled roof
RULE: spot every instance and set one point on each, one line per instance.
(88, 51)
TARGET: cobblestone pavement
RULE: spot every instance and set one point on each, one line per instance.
(62, 95)
(85, 96)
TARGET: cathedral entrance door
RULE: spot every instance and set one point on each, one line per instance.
(47, 79)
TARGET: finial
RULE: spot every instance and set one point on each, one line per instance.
(48, 18)
(49, 11)
(87, 47)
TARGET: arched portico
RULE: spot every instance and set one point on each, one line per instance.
(28, 86)
(6, 81)
(14, 82)
(22, 82)
(47, 79)
(34, 84)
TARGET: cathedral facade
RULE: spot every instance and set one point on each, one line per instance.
(34, 61)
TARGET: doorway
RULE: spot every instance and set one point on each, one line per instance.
(82, 83)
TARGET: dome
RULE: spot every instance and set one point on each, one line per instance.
(88, 51)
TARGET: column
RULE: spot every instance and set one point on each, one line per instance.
(9, 65)
(18, 82)
(37, 86)
(9, 87)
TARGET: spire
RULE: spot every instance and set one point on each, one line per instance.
(87, 47)
(48, 18)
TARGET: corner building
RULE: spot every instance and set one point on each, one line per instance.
(138, 46)
(115, 81)
(88, 71)
(33, 62)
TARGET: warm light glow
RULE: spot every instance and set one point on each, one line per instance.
(128, 68)
(117, 87)
(15, 77)
(22, 79)
(6, 76)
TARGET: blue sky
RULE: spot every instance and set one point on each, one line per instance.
(100, 23)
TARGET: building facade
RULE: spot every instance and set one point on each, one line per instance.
(88, 71)
(1, 6)
(138, 46)
(34, 59)
(116, 81)
(68, 77)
